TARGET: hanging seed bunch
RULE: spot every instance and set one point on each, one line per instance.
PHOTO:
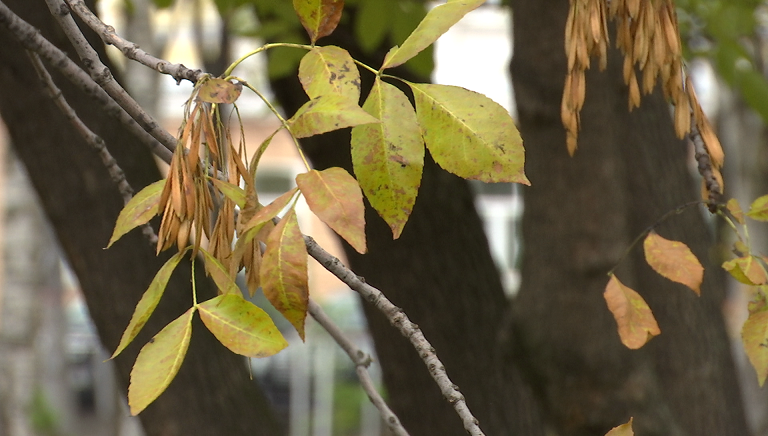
(648, 35)
(204, 162)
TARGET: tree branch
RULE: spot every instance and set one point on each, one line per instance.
(130, 49)
(95, 141)
(361, 360)
(101, 74)
(31, 39)
(400, 320)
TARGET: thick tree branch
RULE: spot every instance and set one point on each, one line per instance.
(95, 141)
(130, 49)
(361, 360)
(400, 320)
(101, 74)
(31, 39)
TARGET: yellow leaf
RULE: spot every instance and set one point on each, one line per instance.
(335, 197)
(329, 70)
(622, 430)
(735, 209)
(148, 302)
(219, 91)
(758, 210)
(633, 316)
(159, 362)
(142, 208)
(241, 326)
(284, 271)
(469, 135)
(388, 158)
(673, 260)
(747, 270)
(754, 335)
(220, 275)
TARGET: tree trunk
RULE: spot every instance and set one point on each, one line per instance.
(213, 393)
(581, 213)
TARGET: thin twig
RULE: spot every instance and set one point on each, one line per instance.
(95, 141)
(130, 49)
(101, 74)
(399, 320)
(31, 39)
(361, 360)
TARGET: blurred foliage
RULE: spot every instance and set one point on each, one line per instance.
(733, 35)
(377, 24)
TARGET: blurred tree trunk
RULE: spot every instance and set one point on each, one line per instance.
(213, 393)
(581, 213)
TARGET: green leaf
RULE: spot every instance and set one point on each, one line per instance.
(284, 60)
(373, 20)
(284, 271)
(436, 23)
(231, 191)
(327, 113)
(388, 158)
(754, 335)
(271, 210)
(674, 260)
(330, 70)
(159, 362)
(758, 210)
(633, 316)
(241, 326)
(319, 17)
(219, 275)
(142, 208)
(335, 197)
(219, 91)
(148, 302)
(470, 135)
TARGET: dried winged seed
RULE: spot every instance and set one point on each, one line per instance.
(603, 55)
(640, 48)
(634, 93)
(712, 143)
(579, 88)
(628, 68)
(659, 53)
(649, 77)
(582, 56)
(633, 8)
(175, 183)
(595, 21)
(669, 18)
(571, 142)
(182, 238)
(682, 117)
(194, 145)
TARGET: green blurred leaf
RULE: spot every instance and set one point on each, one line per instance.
(372, 22)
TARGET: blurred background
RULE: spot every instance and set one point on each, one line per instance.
(54, 377)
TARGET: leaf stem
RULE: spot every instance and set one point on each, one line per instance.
(194, 287)
(675, 211)
(264, 47)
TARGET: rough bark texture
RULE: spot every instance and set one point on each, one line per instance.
(580, 215)
(441, 273)
(212, 394)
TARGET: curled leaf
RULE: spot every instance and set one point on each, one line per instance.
(622, 430)
(673, 260)
(220, 91)
(633, 316)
